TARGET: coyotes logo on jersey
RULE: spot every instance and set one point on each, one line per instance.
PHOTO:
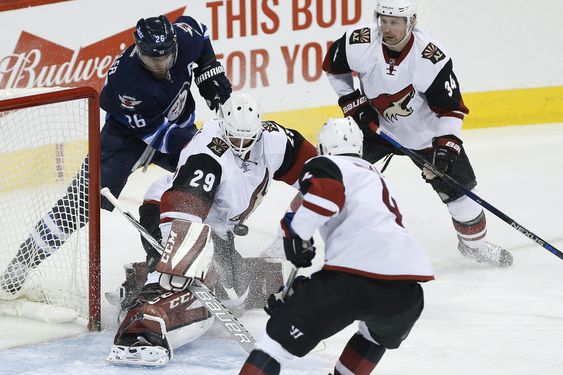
(391, 106)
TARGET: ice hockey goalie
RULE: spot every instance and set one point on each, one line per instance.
(165, 315)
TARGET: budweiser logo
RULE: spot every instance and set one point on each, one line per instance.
(37, 62)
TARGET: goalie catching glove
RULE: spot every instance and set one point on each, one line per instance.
(213, 84)
(357, 106)
(298, 251)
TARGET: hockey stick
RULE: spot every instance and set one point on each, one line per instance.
(201, 292)
(462, 189)
(288, 283)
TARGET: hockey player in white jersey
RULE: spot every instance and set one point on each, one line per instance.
(409, 89)
(372, 268)
(222, 176)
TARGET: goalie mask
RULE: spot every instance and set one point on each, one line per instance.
(340, 136)
(397, 8)
(241, 123)
(156, 44)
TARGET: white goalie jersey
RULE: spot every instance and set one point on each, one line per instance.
(214, 186)
(415, 91)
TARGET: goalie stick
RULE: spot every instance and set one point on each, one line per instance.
(483, 203)
(221, 313)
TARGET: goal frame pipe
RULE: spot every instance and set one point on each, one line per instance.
(90, 94)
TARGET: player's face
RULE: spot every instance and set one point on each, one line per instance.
(158, 65)
(393, 29)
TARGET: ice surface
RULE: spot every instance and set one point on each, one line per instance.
(477, 320)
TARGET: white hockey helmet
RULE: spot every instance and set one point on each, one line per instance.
(398, 8)
(340, 136)
(242, 123)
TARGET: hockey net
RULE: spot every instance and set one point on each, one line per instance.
(49, 157)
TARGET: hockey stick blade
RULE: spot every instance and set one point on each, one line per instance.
(419, 160)
(221, 313)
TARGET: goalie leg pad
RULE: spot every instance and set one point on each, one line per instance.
(166, 320)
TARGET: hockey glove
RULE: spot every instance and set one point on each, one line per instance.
(445, 151)
(213, 84)
(357, 106)
(275, 301)
(298, 251)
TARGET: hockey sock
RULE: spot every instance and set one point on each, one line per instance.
(472, 233)
(260, 363)
(360, 356)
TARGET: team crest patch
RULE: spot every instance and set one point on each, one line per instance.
(393, 106)
(218, 146)
(360, 36)
(433, 53)
(129, 102)
(184, 26)
(270, 126)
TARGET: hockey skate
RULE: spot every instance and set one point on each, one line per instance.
(489, 253)
(141, 353)
(13, 278)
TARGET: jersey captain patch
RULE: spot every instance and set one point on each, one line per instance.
(433, 53)
(362, 35)
(218, 146)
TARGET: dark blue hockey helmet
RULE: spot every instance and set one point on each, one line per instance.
(157, 44)
(155, 36)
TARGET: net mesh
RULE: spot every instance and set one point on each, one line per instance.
(43, 204)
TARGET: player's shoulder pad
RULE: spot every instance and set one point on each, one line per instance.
(198, 165)
(430, 50)
(131, 87)
(271, 126)
(360, 42)
(431, 59)
(188, 26)
(321, 167)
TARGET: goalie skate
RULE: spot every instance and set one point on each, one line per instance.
(489, 253)
(141, 353)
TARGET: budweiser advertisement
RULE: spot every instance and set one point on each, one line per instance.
(269, 48)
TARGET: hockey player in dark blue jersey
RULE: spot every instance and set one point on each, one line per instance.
(147, 98)
(150, 117)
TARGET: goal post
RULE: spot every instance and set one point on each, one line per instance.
(49, 188)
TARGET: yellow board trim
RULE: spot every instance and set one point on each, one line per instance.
(486, 109)
(41, 165)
